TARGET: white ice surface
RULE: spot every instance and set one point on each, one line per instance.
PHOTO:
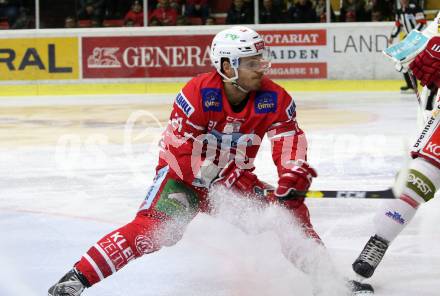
(54, 206)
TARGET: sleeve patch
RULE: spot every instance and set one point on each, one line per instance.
(291, 109)
(212, 99)
(184, 105)
(266, 102)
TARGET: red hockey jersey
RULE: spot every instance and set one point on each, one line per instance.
(203, 122)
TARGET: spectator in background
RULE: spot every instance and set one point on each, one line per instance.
(378, 10)
(210, 21)
(91, 10)
(173, 4)
(249, 4)
(129, 23)
(10, 11)
(197, 8)
(153, 22)
(136, 14)
(270, 14)
(321, 11)
(302, 12)
(350, 16)
(320, 8)
(386, 9)
(23, 21)
(182, 21)
(164, 14)
(116, 9)
(353, 11)
(376, 15)
(151, 5)
(239, 13)
(70, 22)
(96, 22)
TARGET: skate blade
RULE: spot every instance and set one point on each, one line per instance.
(362, 293)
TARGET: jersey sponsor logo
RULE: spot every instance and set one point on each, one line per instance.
(265, 102)
(144, 244)
(420, 184)
(231, 36)
(424, 132)
(154, 189)
(117, 248)
(184, 105)
(211, 99)
(291, 109)
(432, 148)
(397, 217)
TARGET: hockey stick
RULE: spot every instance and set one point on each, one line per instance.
(369, 194)
(381, 194)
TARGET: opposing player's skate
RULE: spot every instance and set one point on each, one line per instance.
(71, 284)
(370, 257)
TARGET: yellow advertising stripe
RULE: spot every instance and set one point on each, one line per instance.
(39, 59)
(173, 87)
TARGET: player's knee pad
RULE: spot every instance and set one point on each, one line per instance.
(423, 179)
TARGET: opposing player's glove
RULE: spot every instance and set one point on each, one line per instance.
(296, 179)
(426, 66)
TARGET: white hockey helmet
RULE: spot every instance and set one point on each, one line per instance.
(235, 43)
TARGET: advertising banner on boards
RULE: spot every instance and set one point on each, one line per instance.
(298, 51)
(145, 56)
(295, 54)
(39, 58)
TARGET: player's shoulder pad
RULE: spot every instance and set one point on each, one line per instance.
(190, 98)
(211, 92)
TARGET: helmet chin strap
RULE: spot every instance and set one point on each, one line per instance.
(233, 81)
(238, 86)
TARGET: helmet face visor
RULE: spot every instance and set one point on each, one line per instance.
(259, 62)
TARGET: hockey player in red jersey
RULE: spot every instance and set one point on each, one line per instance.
(213, 135)
(422, 179)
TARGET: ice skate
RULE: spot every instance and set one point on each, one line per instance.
(407, 90)
(370, 257)
(69, 285)
(359, 289)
